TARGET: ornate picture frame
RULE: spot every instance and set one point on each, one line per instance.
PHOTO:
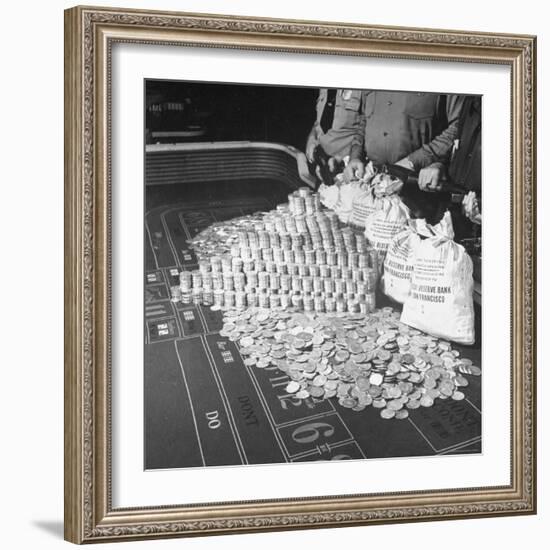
(90, 34)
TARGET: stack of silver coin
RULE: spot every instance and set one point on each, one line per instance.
(297, 255)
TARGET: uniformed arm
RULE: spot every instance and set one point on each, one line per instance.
(439, 149)
(356, 165)
(311, 142)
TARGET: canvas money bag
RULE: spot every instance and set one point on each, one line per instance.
(398, 264)
(382, 225)
(365, 201)
(440, 300)
(340, 197)
(364, 204)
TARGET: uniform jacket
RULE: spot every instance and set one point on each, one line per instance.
(417, 125)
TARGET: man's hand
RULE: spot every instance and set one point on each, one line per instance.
(431, 178)
(470, 207)
(354, 170)
(310, 146)
(332, 163)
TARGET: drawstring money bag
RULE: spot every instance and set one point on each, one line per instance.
(440, 301)
(385, 222)
(399, 261)
(340, 197)
(370, 198)
(364, 204)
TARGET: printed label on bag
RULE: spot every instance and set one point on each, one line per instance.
(381, 232)
(426, 293)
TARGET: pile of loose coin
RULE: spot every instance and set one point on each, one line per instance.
(217, 238)
(360, 359)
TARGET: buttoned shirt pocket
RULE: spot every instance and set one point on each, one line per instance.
(369, 103)
(346, 114)
(422, 105)
(421, 112)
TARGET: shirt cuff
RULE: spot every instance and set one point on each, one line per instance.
(420, 159)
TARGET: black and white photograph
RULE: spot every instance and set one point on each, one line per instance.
(312, 274)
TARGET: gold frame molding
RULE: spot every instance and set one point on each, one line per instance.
(89, 36)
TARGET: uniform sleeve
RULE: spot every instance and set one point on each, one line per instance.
(358, 140)
(439, 149)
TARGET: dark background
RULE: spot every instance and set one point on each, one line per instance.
(229, 112)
